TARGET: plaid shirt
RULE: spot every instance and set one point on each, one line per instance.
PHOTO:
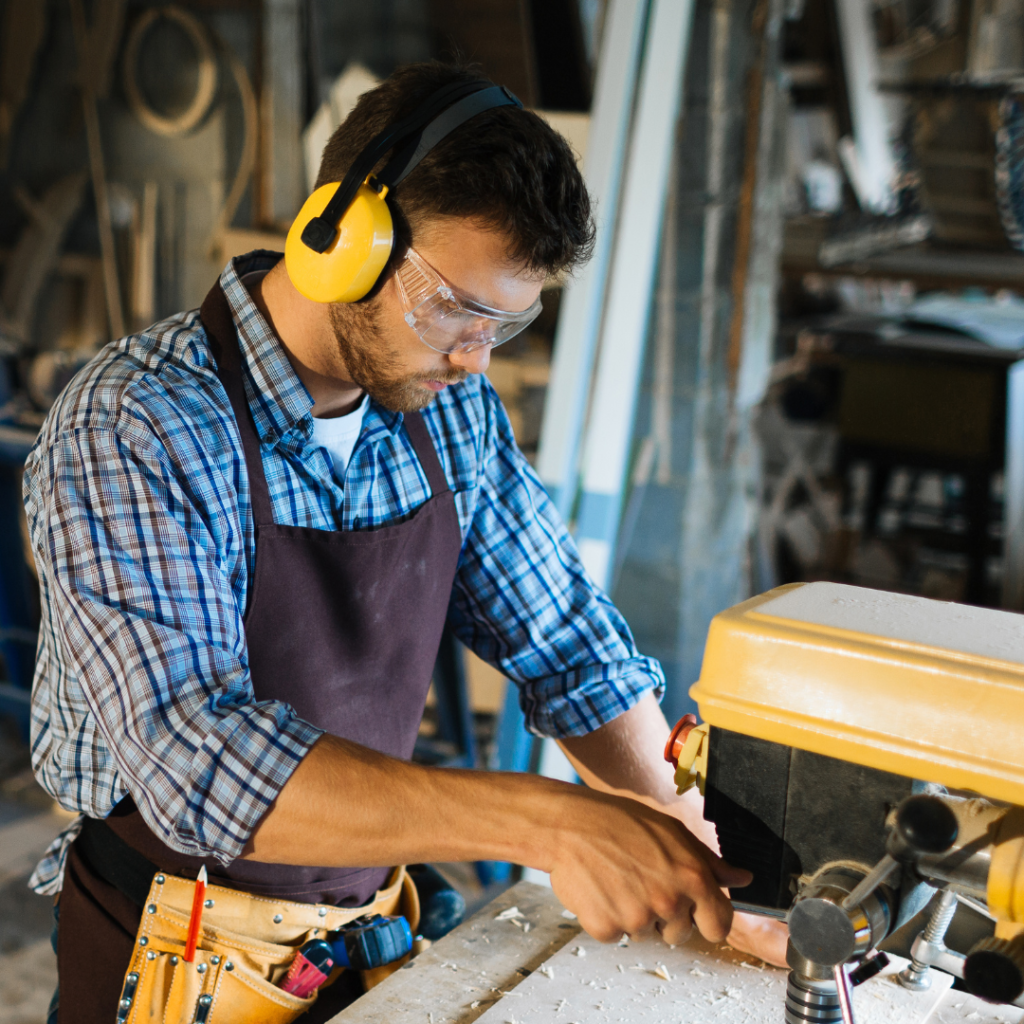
(139, 514)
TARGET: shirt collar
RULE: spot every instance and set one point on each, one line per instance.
(279, 400)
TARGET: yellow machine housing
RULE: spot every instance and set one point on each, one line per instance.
(842, 726)
(920, 688)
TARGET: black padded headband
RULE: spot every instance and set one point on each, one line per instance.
(419, 132)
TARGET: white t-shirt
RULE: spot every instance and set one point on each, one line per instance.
(338, 434)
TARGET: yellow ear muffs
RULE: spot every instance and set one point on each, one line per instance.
(350, 266)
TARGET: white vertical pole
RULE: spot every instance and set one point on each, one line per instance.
(875, 162)
(1013, 492)
(610, 425)
(583, 298)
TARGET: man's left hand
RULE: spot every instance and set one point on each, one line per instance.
(763, 937)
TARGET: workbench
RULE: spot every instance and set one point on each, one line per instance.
(470, 972)
(462, 975)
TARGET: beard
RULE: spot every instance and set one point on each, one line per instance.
(373, 364)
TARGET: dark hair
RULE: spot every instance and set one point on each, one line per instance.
(506, 166)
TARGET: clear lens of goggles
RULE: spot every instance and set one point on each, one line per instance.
(448, 321)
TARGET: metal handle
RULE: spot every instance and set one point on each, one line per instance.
(844, 993)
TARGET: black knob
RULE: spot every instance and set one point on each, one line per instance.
(926, 825)
(994, 970)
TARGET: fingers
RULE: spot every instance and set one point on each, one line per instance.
(730, 877)
(677, 931)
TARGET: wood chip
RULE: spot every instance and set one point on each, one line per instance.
(508, 915)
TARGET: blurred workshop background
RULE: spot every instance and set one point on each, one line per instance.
(796, 355)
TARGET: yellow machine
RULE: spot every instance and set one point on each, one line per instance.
(861, 750)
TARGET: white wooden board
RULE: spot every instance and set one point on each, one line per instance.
(647, 982)
(960, 1008)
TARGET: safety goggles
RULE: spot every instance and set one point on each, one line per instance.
(447, 320)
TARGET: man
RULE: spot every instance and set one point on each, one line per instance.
(250, 524)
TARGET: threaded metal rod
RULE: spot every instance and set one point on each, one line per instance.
(915, 976)
(942, 916)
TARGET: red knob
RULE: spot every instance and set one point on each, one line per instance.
(677, 740)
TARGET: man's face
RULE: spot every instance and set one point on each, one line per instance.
(385, 356)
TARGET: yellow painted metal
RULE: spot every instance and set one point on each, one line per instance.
(692, 766)
(913, 708)
(353, 262)
(1005, 896)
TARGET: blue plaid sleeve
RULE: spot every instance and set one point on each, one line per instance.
(523, 601)
(153, 645)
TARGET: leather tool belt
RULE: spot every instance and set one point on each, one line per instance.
(246, 945)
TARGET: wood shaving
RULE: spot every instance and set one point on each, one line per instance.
(568, 915)
(508, 915)
(579, 951)
(662, 972)
(548, 972)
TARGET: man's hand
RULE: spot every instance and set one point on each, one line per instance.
(625, 757)
(621, 866)
(763, 937)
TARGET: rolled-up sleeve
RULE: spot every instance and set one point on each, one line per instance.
(142, 605)
(523, 602)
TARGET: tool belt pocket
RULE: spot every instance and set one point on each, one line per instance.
(246, 946)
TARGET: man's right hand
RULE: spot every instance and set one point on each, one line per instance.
(622, 867)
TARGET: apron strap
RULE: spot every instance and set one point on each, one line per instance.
(225, 346)
(426, 452)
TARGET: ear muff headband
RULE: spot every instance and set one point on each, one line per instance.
(337, 255)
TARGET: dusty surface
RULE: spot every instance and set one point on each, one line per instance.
(467, 971)
(647, 982)
(959, 1007)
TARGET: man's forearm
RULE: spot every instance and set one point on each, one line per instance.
(349, 806)
(619, 865)
(625, 757)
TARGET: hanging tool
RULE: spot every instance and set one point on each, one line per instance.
(96, 46)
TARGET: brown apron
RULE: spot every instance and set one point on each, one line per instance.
(345, 627)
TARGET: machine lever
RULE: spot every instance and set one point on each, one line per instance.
(844, 992)
(870, 882)
(924, 825)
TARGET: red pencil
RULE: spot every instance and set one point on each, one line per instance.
(197, 916)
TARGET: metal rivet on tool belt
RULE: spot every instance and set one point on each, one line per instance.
(159, 879)
(229, 966)
(322, 911)
(278, 919)
(151, 909)
(174, 959)
(144, 941)
(208, 904)
(201, 968)
(215, 960)
(151, 955)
